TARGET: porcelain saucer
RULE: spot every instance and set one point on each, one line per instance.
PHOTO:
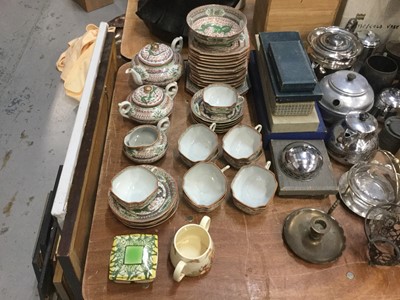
(159, 208)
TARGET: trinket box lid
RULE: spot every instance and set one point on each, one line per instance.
(134, 258)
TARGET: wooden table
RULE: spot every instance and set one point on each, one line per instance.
(252, 261)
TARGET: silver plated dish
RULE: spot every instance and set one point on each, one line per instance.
(301, 160)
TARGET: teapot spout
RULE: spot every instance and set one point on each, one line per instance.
(135, 75)
(348, 137)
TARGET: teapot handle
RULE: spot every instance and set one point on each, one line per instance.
(136, 76)
(124, 107)
(177, 44)
(172, 89)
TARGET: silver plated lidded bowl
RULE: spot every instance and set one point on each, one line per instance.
(333, 48)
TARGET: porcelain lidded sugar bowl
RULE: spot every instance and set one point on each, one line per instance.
(148, 104)
(147, 143)
(158, 63)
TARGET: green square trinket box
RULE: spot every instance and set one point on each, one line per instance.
(134, 258)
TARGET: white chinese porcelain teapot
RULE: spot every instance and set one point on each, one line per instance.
(158, 64)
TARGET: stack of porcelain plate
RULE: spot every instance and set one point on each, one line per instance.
(160, 208)
(218, 47)
(223, 123)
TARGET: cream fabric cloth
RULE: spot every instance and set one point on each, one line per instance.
(74, 62)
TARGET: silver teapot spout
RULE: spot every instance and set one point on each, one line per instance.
(348, 137)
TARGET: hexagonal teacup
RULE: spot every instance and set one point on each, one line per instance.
(253, 187)
(220, 99)
(205, 186)
(198, 143)
(242, 145)
(134, 187)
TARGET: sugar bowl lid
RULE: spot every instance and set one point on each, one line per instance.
(156, 54)
(148, 96)
(361, 121)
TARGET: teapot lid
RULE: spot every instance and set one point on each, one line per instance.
(391, 97)
(148, 96)
(155, 54)
(361, 122)
(349, 83)
(368, 38)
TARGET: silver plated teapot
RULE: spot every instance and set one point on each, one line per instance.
(353, 139)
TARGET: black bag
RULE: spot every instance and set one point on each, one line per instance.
(167, 19)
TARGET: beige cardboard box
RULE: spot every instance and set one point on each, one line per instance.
(90, 5)
(294, 15)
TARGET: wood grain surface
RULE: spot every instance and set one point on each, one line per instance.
(251, 261)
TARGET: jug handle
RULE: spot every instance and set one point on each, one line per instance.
(258, 128)
(177, 44)
(178, 273)
(172, 89)
(268, 165)
(136, 77)
(124, 107)
(205, 222)
(163, 124)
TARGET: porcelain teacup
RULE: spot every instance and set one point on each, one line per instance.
(147, 142)
(198, 143)
(253, 187)
(134, 187)
(192, 250)
(221, 99)
(205, 186)
(242, 145)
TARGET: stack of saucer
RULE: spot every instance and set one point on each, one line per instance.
(160, 208)
(218, 47)
(223, 122)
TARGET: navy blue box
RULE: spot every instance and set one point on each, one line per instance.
(292, 66)
(265, 38)
(261, 111)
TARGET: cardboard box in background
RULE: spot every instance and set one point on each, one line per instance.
(294, 15)
(380, 16)
(90, 5)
